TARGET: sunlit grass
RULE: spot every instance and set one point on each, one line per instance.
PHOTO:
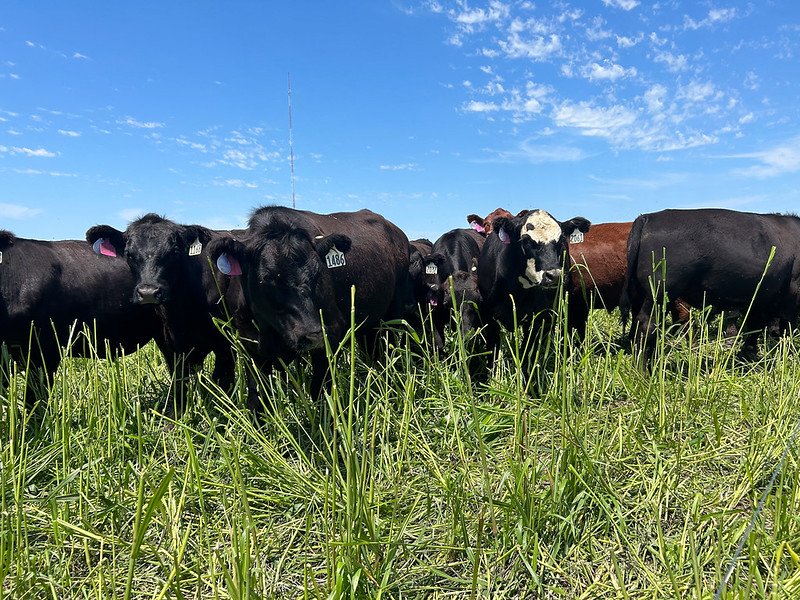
(583, 478)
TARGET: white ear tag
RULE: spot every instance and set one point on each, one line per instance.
(431, 269)
(576, 237)
(196, 248)
(1, 258)
(335, 258)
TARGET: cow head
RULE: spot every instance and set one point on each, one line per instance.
(485, 225)
(541, 242)
(432, 277)
(160, 253)
(463, 287)
(287, 282)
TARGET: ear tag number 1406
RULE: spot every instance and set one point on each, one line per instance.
(335, 258)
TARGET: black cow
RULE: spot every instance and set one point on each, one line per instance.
(58, 288)
(174, 279)
(297, 265)
(523, 259)
(713, 257)
(462, 286)
(456, 250)
(417, 300)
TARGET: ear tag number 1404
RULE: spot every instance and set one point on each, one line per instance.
(335, 258)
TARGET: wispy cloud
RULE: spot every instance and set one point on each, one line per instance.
(38, 152)
(623, 4)
(69, 133)
(15, 211)
(130, 121)
(715, 15)
(776, 161)
(403, 167)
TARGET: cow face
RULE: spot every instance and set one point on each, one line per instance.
(432, 278)
(288, 284)
(542, 242)
(159, 252)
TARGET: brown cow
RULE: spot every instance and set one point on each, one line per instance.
(599, 262)
(483, 225)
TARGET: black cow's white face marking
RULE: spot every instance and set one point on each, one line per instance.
(542, 229)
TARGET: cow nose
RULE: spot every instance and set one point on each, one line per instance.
(310, 341)
(551, 277)
(148, 294)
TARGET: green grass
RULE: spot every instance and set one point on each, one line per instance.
(581, 479)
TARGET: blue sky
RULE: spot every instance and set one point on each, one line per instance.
(423, 111)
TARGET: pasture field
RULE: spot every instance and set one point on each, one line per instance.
(585, 480)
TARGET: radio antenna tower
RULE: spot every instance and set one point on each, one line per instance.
(291, 141)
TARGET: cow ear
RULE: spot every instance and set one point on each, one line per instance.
(505, 229)
(577, 223)
(437, 258)
(104, 239)
(477, 223)
(324, 244)
(228, 254)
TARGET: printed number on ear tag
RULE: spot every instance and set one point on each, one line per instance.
(431, 269)
(196, 248)
(334, 258)
(576, 237)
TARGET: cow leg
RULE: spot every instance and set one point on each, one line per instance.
(224, 374)
(577, 316)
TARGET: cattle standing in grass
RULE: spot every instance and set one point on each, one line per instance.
(58, 288)
(523, 259)
(456, 250)
(599, 263)
(462, 286)
(297, 265)
(417, 301)
(713, 257)
(174, 279)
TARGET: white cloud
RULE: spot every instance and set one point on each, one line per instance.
(627, 42)
(774, 162)
(715, 15)
(654, 98)
(79, 55)
(38, 172)
(481, 107)
(536, 48)
(538, 154)
(69, 133)
(673, 63)
(139, 124)
(39, 152)
(606, 72)
(623, 4)
(591, 119)
(405, 167)
(15, 211)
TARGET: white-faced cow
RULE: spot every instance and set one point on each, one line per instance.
(50, 291)
(298, 266)
(174, 279)
(713, 257)
(521, 268)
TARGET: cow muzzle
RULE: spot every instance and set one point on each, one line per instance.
(148, 294)
(551, 278)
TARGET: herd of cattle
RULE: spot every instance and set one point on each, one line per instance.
(293, 274)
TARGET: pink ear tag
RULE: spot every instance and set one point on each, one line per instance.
(477, 227)
(104, 247)
(229, 265)
(503, 236)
